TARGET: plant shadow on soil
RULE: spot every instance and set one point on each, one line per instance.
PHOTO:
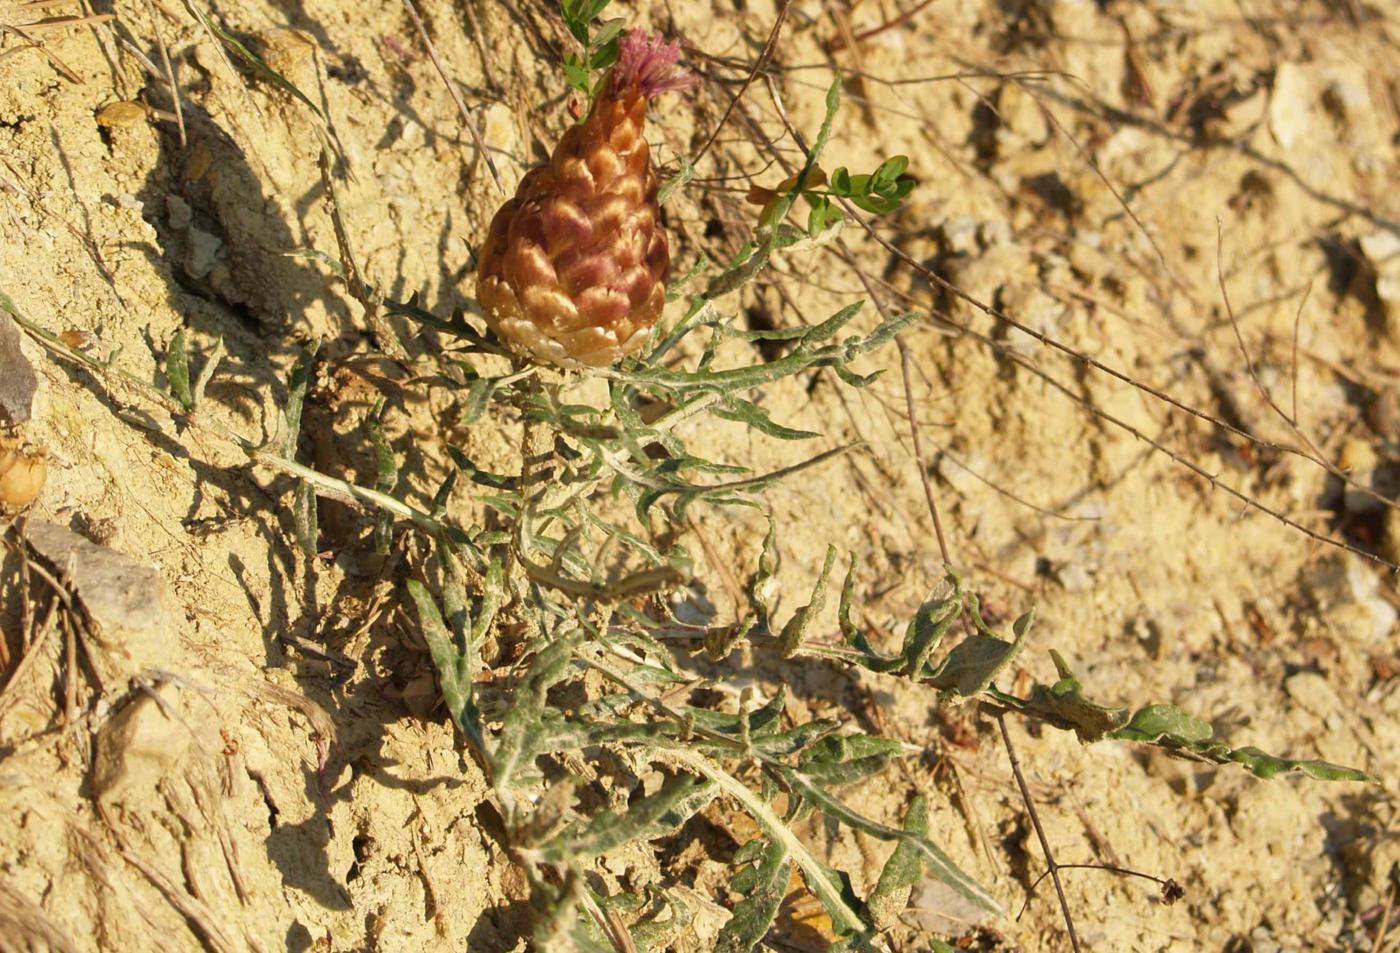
(293, 609)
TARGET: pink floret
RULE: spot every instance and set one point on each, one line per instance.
(644, 60)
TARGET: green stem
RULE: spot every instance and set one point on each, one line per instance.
(330, 487)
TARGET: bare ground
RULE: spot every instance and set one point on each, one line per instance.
(283, 777)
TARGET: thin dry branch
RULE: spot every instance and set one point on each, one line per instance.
(763, 57)
(1043, 511)
(35, 649)
(1290, 419)
(1039, 831)
(891, 24)
(28, 32)
(920, 461)
(169, 69)
(1107, 183)
(452, 91)
(1095, 364)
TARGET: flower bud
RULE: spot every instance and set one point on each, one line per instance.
(573, 270)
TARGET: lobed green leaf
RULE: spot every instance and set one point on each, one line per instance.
(764, 888)
(843, 759)
(657, 815)
(1168, 727)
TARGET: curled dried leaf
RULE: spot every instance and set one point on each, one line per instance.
(758, 195)
(761, 195)
(119, 114)
(77, 339)
(22, 474)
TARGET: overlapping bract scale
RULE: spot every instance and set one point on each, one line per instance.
(573, 270)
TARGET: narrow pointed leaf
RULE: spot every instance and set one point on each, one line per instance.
(651, 817)
(937, 862)
(177, 370)
(902, 871)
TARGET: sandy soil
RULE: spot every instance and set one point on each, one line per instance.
(282, 776)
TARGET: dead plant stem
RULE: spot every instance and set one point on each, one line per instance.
(452, 90)
(1039, 831)
(759, 65)
(906, 363)
(169, 70)
(905, 360)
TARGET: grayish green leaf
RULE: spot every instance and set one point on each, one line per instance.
(651, 817)
(843, 759)
(939, 863)
(1168, 727)
(753, 916)
(975, 662)
(901, 872)
(791, 638)
(177, 371)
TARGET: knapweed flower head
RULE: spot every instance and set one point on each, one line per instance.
(573, 270)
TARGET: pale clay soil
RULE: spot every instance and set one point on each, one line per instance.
(297, 786)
